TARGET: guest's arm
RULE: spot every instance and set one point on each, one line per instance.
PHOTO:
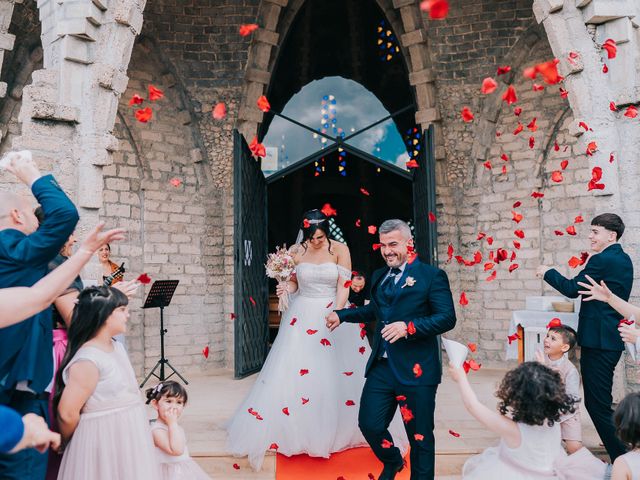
(594, 291)
(19, 303)
(570, 287)
(36, 434)
(82, 382)
(344, 274)
(506, 428)
(443, 313)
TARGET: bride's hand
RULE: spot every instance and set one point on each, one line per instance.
(282, 289)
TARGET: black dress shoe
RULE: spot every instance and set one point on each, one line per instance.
(390, 470)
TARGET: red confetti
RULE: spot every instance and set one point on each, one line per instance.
(293, 321)
(246, 29)
(432, 217)
(516, 217)
(513, 338)
(136, 100)
(489, 266)
(358, 223)
(487, 165)
(489, 85)
(449, 253)
(412, 164)
(596, 175)
(563, 93)
(556, 176)
(325, 342)
(176, 182)
(532, 125)
(492, 277)
(613, 107)
(455, 434)
(417, 370)
(532, 142)
(285, 410)
(329, 305)
(236, 466)
(611, 157)
(274, 446)
(578, 219)
(438, 9)
(364, 191)
(144, 279)
(372, 229)
(205, 351)
(548, 71)
(556, 147)
(503, 70)
(564, 164)
(348, 374)
(219, 111)
(605, 69)
(517, 111)
(362, 350)
(463, 299)
(624, 321)
(554, 322)
(519, 233)
(505, 158)
(574, 262)
(411, 328)
(311, 332)
(592, 148)
(253, 302)
(328, 210)
(155, 93)
(537, 88)
(257, 149)
(631, 111)
(584, 126)
(263, 104)
(347, 284)
(400, 398)
(303, 372)
(537, 194)
(386, 443)
(467, 115)
(304, 401)
(407, 414)
(559, 233)
(233, 316)
(349, 403)
(418, 436)
(513, 266)
(473, 365)
(143, 115)
(571, 230)
(376, 246)
(516, 244)
(472, 346)
(518, 129)
(510, 95)
(610, 46)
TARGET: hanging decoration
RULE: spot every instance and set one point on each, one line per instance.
(342, 162)
(413, 141)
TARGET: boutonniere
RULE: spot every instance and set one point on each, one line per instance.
(409, 282)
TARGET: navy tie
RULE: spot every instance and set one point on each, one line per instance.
(389, 285)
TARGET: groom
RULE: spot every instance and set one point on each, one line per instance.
(413, 305)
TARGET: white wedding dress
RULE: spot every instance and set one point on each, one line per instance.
(306, 398)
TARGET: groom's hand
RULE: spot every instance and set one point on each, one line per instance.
(394, 331)
(333, 321)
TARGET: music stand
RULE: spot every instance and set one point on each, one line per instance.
(160, 296)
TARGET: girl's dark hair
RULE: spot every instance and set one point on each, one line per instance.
(627, 420)
(94, 306)
(533, 393)
(168, 388)
(315, 220)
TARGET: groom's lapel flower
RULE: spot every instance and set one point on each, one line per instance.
(409, 282)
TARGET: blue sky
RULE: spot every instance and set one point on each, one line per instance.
(355, 108)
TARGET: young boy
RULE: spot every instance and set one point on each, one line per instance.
(559, 340)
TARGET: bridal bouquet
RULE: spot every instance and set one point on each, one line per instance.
(280, 266)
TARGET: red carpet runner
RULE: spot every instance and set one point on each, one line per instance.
(353, 464)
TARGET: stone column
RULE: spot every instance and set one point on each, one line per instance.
(69, 110)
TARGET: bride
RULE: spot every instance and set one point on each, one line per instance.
(306, 398)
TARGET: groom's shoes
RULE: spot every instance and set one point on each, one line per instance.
(390, 470)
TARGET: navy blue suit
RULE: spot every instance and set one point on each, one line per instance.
(598, 336)
(429, 305)
(26, 348)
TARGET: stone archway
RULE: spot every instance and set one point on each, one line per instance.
(275, 18)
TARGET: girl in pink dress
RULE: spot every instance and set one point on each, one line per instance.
(627, 421)
(169, 399)
(532, 399)
(101, 416)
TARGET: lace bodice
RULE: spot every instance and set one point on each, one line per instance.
(319, 280)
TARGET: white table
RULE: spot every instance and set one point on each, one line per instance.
(521, 319)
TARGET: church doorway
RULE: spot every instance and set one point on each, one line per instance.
(341, 131)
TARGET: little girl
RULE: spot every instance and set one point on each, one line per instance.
(627, 421)
(169, 399)
(101, 415)
(532, 398)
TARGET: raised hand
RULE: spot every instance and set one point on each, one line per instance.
(98, 238)
(129, 288)
(456, 373)
(596, 292)
(171, 415)
(22, 165)
(394, 331)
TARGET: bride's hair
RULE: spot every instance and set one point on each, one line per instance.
(312, 221)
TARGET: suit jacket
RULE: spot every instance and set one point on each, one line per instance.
(597, 321)
(428, 304)
(25, 348)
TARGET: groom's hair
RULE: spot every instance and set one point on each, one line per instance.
(611, 222)
(393, 225)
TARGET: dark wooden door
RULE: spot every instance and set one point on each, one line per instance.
(424, 200)
(251, 290)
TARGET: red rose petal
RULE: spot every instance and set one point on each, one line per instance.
(205, 351)
(467, 115)
(246, 29)
(303, 372)
(263, 104)
(489, 85)
(463, 299)
(143, 115)
(328, 210)
(372, 229)
(455, 434)
(219, 111)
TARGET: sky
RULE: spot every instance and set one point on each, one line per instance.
(355, 107)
